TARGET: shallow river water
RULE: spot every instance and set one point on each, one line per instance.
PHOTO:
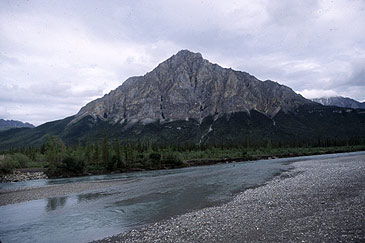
(136, 199)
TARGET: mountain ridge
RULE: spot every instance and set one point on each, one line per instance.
(340, 101)
(9, 124)
(188, 86)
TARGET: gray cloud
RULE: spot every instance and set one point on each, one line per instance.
(66, 53)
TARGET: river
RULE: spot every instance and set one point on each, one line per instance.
(134, 200)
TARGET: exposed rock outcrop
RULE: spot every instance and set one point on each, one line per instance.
(186, 86)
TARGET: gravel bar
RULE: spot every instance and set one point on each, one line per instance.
(28, 194)
(318, 201)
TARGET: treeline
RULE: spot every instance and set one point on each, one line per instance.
(92, 157)
(109, 155)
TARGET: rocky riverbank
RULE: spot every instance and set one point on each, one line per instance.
(318, 201)
(23, 176)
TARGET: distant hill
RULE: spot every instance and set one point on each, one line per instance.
(9, 124)
(340, 102)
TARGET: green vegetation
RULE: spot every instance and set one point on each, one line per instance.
(16, 160)
(109, 155)
(307, 125)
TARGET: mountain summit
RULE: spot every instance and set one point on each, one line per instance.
(186, 86)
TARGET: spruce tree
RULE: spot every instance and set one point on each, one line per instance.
(80, 158)
(96, 152)
(129, 155)
(105, 149)
(117, 153)
(79, 150)
(88, 150)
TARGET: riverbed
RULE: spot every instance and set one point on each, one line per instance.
(88, 208)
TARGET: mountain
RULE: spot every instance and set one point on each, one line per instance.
(187, 99)
(340, 102)
(186, 86)
(9, 124)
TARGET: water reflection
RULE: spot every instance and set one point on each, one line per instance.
(55, 202)
(91, 196)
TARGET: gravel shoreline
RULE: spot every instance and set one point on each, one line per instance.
(22, 195)
(318, 201)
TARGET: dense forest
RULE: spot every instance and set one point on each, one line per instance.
(109, 155)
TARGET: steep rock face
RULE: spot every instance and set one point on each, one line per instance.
(340, 102)
(186, 86)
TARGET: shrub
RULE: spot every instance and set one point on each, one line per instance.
(173, 160)
(138, 165)
(70, 163)
(21, 159)
(154, 161)
(74, 164)
(8, 165)
(14, 161)
(113, 163)
(155, 157)
(40, 158)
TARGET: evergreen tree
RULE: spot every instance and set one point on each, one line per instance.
(43, 149)
(54, 149)
(79, 150)
(117, 153)
(105, 149)
(129, 155)
(79, 158)
(88, 150)
(96, 152)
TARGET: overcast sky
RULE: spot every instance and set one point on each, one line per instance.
(55, 56)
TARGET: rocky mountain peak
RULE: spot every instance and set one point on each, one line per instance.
(183, 60)
(186, 54)
(186, 86)
(340, 102)
(8, 124)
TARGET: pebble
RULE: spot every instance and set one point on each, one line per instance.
(22, 176)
